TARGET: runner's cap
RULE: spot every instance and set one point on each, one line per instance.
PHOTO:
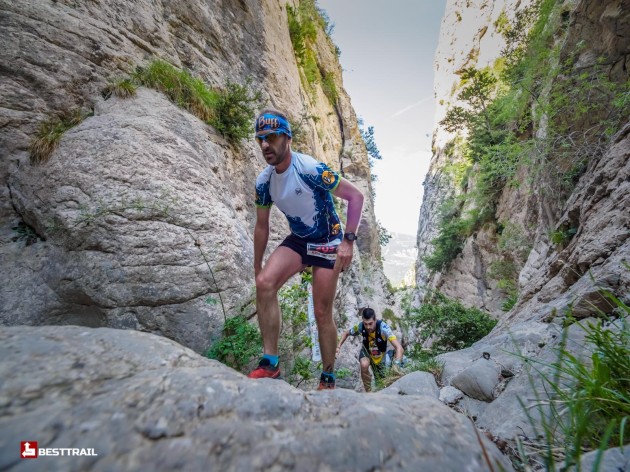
(270, 123)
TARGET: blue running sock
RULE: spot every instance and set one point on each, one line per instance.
(273, 360)
(329, 374)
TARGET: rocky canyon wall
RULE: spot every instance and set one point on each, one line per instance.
(593, 35)
(143, 216)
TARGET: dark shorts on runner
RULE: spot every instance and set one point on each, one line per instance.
(378, 369)
(313, 253)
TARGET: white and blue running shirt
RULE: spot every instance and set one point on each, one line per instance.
(302, 193)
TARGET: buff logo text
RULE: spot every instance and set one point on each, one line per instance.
(271, 122)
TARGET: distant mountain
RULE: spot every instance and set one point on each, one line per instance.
(399, 258)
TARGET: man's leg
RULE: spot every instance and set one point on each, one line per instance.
(324, 288)
(366, 378)
(282, 264)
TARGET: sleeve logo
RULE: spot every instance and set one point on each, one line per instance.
(328, 177)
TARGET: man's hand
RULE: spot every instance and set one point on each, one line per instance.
(337, 351)
(344, 255)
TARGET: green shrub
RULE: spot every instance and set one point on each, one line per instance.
(453, 325)
(384, 236)
(239, 344)
(235, 110)
(448, 244)
(230, 110)
(50, 132)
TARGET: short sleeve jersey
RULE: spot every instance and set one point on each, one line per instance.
(386, 334)
(302, 193)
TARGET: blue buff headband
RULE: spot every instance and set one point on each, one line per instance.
(270, 123)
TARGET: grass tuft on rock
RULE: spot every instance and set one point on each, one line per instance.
(49, 134)
(123, 88)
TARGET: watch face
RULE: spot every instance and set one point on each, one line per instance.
(350, 236)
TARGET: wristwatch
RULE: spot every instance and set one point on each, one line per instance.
(350, 236)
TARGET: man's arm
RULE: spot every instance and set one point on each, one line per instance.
(347, 191)
(399, 350)
(261, 237)
(344, 336)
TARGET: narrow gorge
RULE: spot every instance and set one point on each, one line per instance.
(127, 173)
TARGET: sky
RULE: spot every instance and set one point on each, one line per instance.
(387, 52)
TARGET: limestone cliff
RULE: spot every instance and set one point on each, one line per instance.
(143, 216)
(561, 242)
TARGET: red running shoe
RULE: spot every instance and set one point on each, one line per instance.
(265, 370)
(326, 382)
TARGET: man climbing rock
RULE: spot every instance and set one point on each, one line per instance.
(376, 334)
(302, 188)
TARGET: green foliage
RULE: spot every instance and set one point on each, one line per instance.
(295, 341)
(230, 110)
(329, 88)
(302, 28)
(534, 84)
(303, 370)
(235, 110)
(239, 344)
(304, 22)
(502, 23)
(505, 272)
(424, 360)
(50, 132)
(561, 237)
(588, 404)
(447, 245)
(370, 143)
(453, 325)
(479, 87)
(180, 87)
(384, 236)
(124, 88)
(390, 317)
(343, 373)
(453, 230)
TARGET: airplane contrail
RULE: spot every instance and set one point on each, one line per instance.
(413, 105)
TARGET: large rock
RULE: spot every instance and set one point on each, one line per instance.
(143, 402)
(526, 395)
(479, 380)
(143, 203)
(415, 383)
(616, 459)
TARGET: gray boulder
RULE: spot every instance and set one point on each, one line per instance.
(479, 380)
(145, 403)
(415, 383)
(450, 395)
(612, 460)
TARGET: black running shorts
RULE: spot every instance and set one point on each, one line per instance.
(313, 253)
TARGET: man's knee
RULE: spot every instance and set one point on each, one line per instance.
(365, 365)
(323, 314)
(265, 284)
